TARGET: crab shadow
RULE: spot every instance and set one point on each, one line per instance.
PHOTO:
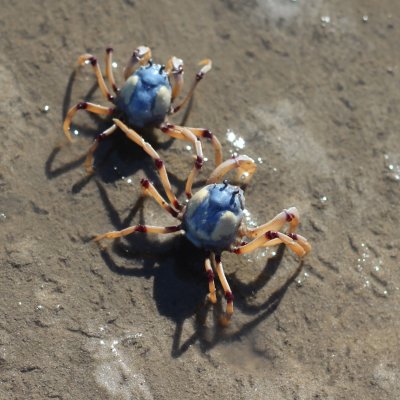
(116, 157)
(209, 336)
(180, 282)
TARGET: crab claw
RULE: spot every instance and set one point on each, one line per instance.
(140, 56)
(174, 66)
(141, 52)
(244, 165)
(207, 67)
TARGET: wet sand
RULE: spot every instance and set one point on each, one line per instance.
(312, 90)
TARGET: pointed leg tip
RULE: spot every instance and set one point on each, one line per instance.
(224, 321)
(90, 170)
(212, 298)
(97, 238)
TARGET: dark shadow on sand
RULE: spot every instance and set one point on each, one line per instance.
(116, 157)
(180, 283)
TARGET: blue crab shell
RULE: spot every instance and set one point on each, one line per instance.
(213, 216)
(145, 98)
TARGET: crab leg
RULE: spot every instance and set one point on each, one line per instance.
(138, 228)
(206, 63)
(90, 59)
(174, 131)
(140, 56)
(212, 296)
(196, 167)
(148, 188)
(135, 137)
(89, 156)
(174, 67)
(109, 70)
(227, 290)
(93, 108)
(184, 133)
(207, 134)
(298, 244)
(245, 165)
(290, 216)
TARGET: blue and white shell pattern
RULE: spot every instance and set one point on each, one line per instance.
(145, 98)
(213, 216)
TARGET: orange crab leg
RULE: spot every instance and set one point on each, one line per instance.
(227, 290)
(174, 67)
(140, 56)
(109, 69)
(138, 228)
(148, 188)
(206, 63)
(181, 132)
(290, 216)
(92, 60)
(298, 244)
(207, 134)
(212, 296)
(90, 107)
(245, 165)
(175, 132)
(89, 156)
(147, 147)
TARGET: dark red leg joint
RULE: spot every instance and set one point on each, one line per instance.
(292, 236)
(141, 228)
(81, 106)
(289, 217)
(229, 297)
(271, 235)
(210, 275)
(145, 183)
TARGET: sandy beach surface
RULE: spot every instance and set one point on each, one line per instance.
(309, 90)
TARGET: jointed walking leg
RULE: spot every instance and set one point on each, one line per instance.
(135, 137)
(206, 66)
(92, 60)
(109, 70)
(212, 296)
(138, 228)
(290, 216)
(180, 132)
(89, 156)
(140, 56)
(90, 107)
(148, 188)
(297, 243)
(244, 164)
(227, 290)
